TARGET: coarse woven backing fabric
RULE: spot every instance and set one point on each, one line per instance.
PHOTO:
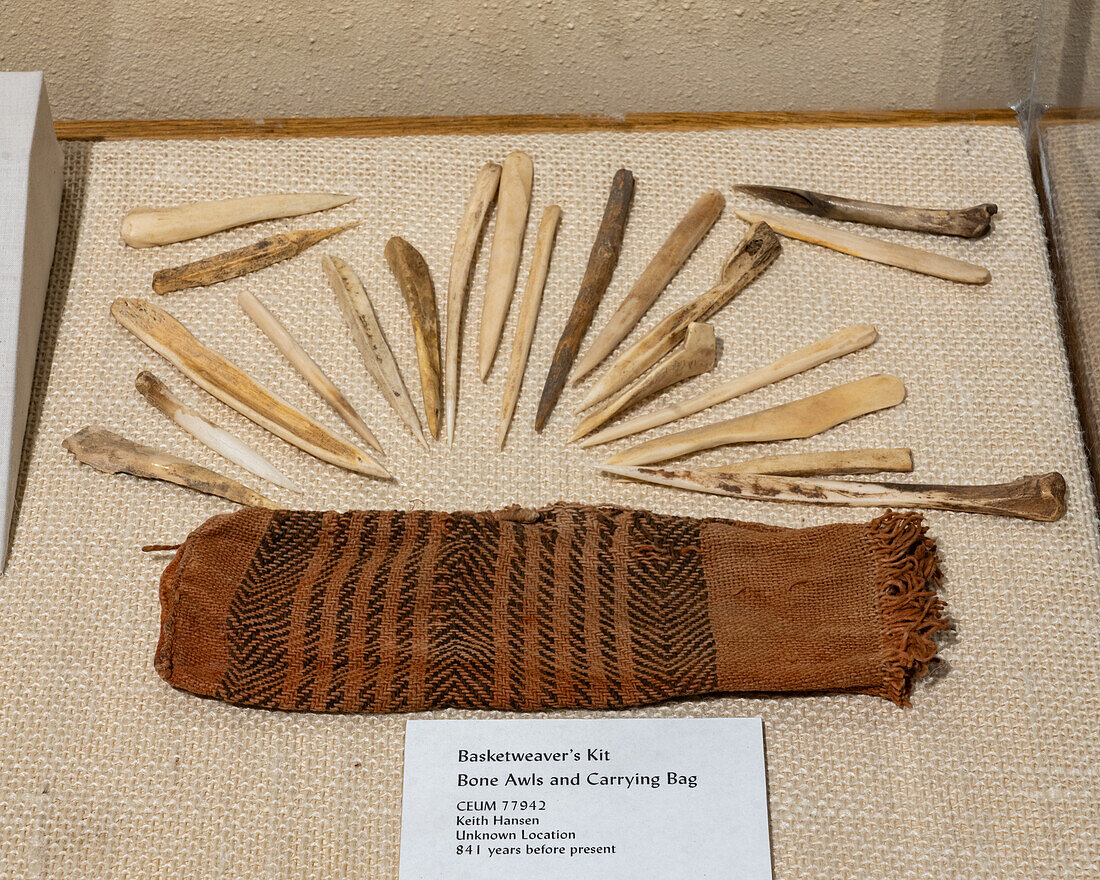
(108, 772)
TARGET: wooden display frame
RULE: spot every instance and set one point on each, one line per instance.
(392, 126)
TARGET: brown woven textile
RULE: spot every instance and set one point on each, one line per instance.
(564, 607)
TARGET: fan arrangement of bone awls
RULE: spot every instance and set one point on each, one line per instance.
(623, 367)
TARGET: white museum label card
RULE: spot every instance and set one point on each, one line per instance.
(585, 799)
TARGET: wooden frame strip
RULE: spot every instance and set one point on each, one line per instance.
(392, 126)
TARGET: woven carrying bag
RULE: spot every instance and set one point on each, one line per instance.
(565, 607)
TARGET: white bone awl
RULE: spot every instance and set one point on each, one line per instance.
(148, 227)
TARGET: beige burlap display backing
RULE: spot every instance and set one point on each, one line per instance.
(107, 772)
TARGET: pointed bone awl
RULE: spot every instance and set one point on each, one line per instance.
(965, 222)
(1041, 497)
(876, 250)
(371, 341)
(796, 420)
(696, 356)
(597, 276)
(250, 258)
(306, 366)
(148, 227)
(113, 454)
(206, 432)
(414, 279)
(528, 317)
(458, 284)
(513, 203)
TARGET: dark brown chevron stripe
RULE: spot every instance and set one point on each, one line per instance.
(565, 607)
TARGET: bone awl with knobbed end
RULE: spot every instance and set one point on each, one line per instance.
(315, 377)
(597, 275)
(227, 382)
(113, 454)
(874, 249)
(148, 227)
(528, 318)
(838, 344)
(371, 341)
(668, 260)
(694, 357)
(458, 283)
(817, 464)
(513, 202)
(789, 421)
(753, 254)
(250, 258)
(1041, 498)
(206, 432)
(963, 222)
(414, 279)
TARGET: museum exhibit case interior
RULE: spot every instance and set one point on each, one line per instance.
(481, 411)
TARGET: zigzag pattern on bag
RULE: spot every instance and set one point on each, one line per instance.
(565, 607)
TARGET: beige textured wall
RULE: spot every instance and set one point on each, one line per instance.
(1069, 55)
(254, 58)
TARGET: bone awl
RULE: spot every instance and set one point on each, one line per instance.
(306, 366)
(1041, 498)
(250, 258)
(458, 282)
(414, 279)
(795, 420)
(113, 454)
(148, 227)
(876, 250)
(528, 317)
(202, 429)
(601, 265)
(964, 222)
(367, 334)
(513, 202)
(697, 355)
